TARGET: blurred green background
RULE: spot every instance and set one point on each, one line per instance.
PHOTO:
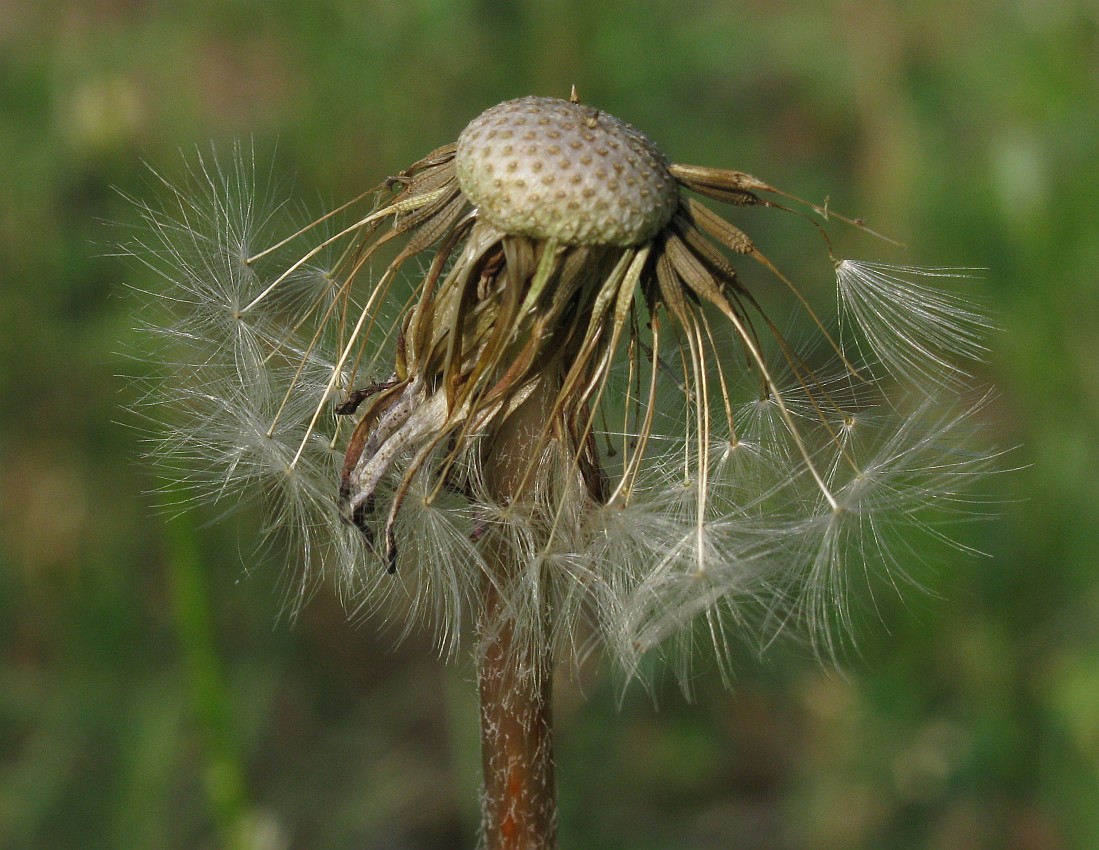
(153, 694)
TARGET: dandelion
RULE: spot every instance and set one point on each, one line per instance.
(521, 384)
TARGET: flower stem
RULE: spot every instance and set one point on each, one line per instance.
(519, 807)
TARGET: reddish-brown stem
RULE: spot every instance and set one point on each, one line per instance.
(519, 808)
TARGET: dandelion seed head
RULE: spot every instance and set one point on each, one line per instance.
(474, 364)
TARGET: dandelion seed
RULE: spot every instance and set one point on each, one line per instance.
(923, 335)
(554, 405)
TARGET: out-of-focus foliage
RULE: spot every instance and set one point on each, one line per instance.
(150, 693)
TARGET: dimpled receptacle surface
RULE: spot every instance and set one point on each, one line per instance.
(550, 168)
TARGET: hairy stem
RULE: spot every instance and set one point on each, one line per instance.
(519, 808)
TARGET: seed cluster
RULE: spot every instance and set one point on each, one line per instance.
(550, 168)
